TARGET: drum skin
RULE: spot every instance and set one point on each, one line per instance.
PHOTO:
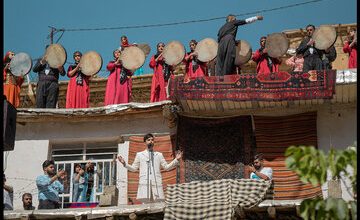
(55, 55)
(276, 44)
(324, 37)
(20, 64)
(174, 53)
(243, 52)
(132, 58)
(90, 63)
(206, 49)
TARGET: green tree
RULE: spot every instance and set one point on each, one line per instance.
(312, 166)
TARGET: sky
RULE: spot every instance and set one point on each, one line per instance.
(26, 22)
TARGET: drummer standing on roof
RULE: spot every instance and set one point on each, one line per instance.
(12, 84)
(78, 91)
(118, 89)
(312, 60)
(193, 66)
(226, 38)
(265, 63)
(161, 75)
(47, 90)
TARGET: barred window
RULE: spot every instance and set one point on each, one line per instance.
(101, 155)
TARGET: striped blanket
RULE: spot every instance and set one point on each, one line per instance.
(214, 200)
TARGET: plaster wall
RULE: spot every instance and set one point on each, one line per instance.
(336, 127)
(22, 166)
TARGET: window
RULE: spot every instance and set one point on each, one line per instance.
(101, 155)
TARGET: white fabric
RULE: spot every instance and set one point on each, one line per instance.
(154, 181)
(251, 19)
(265, 170)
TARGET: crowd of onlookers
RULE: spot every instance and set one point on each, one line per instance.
(52, 183)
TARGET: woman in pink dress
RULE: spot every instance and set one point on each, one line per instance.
(162, 73)
(118, 89)
(78, 91)
(350, 48)
(296, 62)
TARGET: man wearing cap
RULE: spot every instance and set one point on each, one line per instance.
(49, 186)
(227, 50)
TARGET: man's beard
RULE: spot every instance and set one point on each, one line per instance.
(51, 173)
(150, 145)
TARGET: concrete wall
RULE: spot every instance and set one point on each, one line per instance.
(97, 129)
(122, 173)
(336, 127)
(23, 165)
(33, 140)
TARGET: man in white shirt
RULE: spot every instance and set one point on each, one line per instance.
(258, 171)
(149, 161)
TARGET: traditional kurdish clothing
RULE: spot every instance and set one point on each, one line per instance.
(47, 90)
(312, 60)
(194, 67)
(227, 49)
(158, 84)
(11, 84)
(265, 64)
(78, 91)
(116, 92)
(352, 51)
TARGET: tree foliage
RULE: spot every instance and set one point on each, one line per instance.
(312, 166)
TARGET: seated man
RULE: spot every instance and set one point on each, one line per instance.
(258, 171)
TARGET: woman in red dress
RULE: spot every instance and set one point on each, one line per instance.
(78, 92)
(350, 48)
(193, 67)
(118, 89)
(162, 73)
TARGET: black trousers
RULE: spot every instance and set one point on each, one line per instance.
(48, 204)
(47, 93)
(312, 62)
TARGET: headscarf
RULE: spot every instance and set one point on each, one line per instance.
(6, 57)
